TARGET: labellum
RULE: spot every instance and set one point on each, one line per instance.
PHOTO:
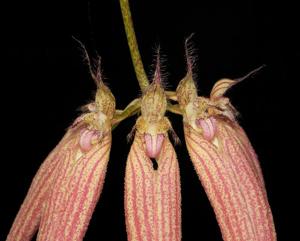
(226, 163)
(152, 197)
(66, 188)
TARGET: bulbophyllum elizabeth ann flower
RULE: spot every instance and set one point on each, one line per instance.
(225, 161)
(152, 195)
(67, 186)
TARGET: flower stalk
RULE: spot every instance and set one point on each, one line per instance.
(133, 45)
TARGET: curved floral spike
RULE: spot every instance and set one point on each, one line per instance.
(227, 166)
(220, 87)
(152, 197)
(66, 188)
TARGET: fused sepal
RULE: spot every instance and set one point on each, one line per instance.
(231, 176)
(28, 218)
(152, 197)
(74, 192)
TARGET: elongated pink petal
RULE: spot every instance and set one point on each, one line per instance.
(27, 220)
(230, 173)
(152, 197)
(153, 144)
(85, 141)
(74, 192)
(208, 126)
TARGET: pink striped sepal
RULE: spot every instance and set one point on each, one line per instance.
(152, 197)
(231, 176)
(65, 190)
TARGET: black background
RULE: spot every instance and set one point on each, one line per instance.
(44, 81)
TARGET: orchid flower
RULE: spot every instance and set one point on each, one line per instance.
(225, 161)
(66, 188)
(152, 195)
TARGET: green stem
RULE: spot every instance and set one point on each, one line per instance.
(133, 46)
(171, 95)
(174, 109)
(131, 109)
